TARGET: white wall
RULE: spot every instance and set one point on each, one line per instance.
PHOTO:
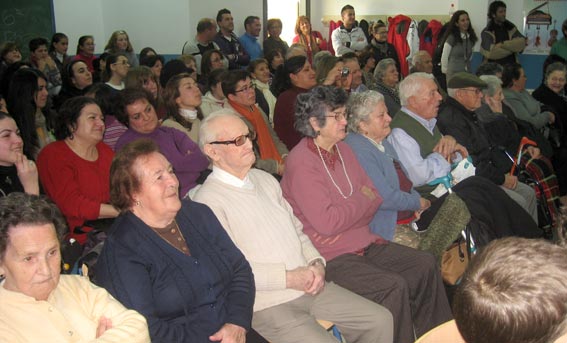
(165, 26)
(148, 23)
(240, 10)
(77, 18)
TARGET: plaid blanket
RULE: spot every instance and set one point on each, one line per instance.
(541, 170)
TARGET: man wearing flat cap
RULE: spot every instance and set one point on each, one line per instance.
(457, 118)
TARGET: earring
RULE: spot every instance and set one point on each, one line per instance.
(317, 133)
(71, 136)
(138, 202)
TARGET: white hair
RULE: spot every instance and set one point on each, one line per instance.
(360, 106)
(411, 85)
(209, 134)
(493, 82)
(417, 57)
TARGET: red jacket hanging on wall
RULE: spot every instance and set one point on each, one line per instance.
(332, 26)
(398, 28)
(430, 36)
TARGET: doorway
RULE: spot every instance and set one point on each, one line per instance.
(287, 11)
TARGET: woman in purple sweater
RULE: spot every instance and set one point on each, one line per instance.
(136, 111)
(336, 200)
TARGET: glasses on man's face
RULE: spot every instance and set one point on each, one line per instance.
(476, 91)
(338, 115)
(238, 141)
(245, 88)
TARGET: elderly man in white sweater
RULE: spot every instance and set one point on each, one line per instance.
(291, 292)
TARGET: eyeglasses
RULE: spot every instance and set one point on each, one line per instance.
(338, 116)
(245, 88)
(238, 141)
(476, 91)
(123, 63)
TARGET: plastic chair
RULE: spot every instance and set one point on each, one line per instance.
(329, 326)
(444, 333)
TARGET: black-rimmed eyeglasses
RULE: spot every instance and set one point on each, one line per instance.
(238, 141)
(245, 88)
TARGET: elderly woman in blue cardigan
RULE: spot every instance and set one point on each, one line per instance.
(489, 209)
(369, 123)
(171, 260)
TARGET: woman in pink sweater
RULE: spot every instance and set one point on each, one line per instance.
(336, 200)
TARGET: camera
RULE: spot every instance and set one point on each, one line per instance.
(345, 71)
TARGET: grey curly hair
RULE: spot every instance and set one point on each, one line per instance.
(316, 104)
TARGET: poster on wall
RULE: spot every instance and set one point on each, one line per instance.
(542, 24)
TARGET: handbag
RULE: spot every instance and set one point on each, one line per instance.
(454, 262)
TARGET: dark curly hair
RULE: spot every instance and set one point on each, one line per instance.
(493, 8)
(127, 97)
(69, 112)
(510, 74)
(453, 29)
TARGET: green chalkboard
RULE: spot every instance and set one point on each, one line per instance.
(22, 20)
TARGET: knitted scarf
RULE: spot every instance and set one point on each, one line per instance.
(266, 144)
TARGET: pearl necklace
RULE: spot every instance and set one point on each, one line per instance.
(329, 173)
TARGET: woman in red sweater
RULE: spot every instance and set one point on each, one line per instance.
(75, 170)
